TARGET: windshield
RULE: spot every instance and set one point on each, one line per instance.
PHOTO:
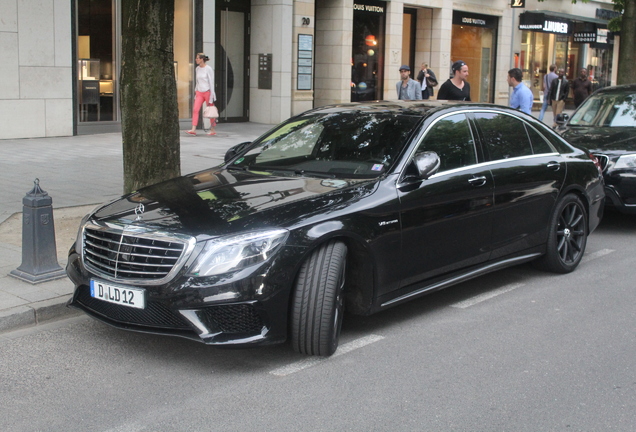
(607, 110)
(344, 144)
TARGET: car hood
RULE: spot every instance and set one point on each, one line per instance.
(602, 139)
(218, 202)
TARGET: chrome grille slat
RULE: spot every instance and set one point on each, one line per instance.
(100, 264)
(132, 254)
(98, 255)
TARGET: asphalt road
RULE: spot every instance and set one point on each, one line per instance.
(517, 350)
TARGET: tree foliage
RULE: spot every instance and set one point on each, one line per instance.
(150, 119)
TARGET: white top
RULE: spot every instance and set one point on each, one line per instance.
(205, 81)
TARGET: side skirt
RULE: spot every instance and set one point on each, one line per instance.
(461, 278)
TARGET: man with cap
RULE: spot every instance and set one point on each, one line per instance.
(407, 88)
(456, 88)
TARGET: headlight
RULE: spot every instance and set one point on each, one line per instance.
(626, 162)
(230, 253)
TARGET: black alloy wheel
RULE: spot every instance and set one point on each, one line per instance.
(318, 301)
(567, 237)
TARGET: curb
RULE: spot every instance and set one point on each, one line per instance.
(36, 313)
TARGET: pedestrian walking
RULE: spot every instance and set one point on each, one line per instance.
(427, 80)
(558, 92)
(545, 87)
(581, 87)
(521, 97)
(204, 92)
(407, 88)
(456, 88)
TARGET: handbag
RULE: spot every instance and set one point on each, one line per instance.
(431, 82)
(210, 112)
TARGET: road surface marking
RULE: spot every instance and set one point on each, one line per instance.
(313, 361)
(589, 257)
(485, 296)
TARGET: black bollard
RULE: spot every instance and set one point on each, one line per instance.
(39, 254)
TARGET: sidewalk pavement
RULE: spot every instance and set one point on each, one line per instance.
(79, 173)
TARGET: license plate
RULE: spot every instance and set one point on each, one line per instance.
(130, 297)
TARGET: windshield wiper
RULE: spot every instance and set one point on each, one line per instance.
(320, 174)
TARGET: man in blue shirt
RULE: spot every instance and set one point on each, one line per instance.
(521, 98)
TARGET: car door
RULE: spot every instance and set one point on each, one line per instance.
(446, 219)
(528, 175)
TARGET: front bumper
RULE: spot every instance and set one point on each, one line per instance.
(251, 310)
(620, 192)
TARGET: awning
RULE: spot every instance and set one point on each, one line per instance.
(575, 18)
(584, 29)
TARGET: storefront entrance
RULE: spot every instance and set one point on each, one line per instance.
(232, 60)
(474, 41)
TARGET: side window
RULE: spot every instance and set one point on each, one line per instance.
(452, 140)
(504, 136)
(539, 144)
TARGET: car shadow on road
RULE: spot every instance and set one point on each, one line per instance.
(617, 223)
(178, 352)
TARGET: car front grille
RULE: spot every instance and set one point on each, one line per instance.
(155, 314)
(136, 256)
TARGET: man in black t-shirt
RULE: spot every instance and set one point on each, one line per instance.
(456, 88)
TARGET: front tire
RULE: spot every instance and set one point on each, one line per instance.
(567, 237)
(318, 301)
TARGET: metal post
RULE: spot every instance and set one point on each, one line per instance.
(39, 254)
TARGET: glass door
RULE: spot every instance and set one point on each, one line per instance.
(232, 61)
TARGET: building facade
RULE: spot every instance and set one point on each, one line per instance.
(276, 58)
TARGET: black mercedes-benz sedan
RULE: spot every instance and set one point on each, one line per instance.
(605, 124)
(355, 206)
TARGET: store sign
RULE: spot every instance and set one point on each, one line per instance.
(607, 14)
(555, 27)
(542, 23)
(474, 21)
(584, 37)
(368, 8)
(601, 35)
(461, 18)
(518, 4)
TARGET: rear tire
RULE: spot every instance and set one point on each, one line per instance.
(567, 237)
(318, 301)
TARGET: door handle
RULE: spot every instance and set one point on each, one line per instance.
(477, 181)
(554, 166)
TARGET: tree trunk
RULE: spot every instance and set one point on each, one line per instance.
(627, 54)
(150, 116)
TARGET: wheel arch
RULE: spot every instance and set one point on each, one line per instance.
(360, 272)
(580, 193)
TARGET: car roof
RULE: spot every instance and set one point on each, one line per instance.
(625, 88)
(418, 108)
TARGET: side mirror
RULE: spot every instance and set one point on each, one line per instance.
(234, 150)
(427, 163)
(561, 119)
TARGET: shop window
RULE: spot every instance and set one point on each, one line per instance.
(367, 60)
(97, 42)
(96, 71)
